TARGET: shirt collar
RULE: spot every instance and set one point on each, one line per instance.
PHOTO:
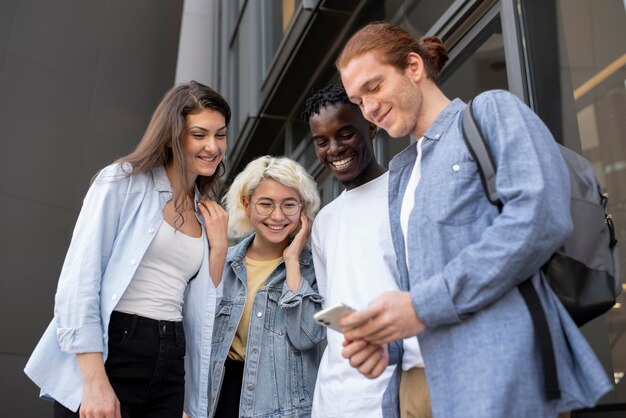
(162, 184)
(161, 181)
(444, 120)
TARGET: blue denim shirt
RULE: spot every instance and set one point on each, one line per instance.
(481, 355)
(282, 353)
(118, 221)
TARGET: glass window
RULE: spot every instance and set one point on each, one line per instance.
(328, 186)
(416, 16)
(483, 67)
(276, 15)
(592, 63)
(299, 132)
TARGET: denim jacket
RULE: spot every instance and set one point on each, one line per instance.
(119, 219)
(282, 353)
(480, 350)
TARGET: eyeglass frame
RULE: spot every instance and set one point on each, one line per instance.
(274, 205)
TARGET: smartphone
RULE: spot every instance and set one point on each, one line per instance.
(330, 316)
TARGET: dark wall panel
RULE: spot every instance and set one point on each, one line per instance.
(78, 84)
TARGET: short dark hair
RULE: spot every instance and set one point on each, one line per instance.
(330, 95)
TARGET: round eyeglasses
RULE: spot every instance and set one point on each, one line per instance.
(288, 207)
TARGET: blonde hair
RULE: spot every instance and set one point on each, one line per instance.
(280, 169)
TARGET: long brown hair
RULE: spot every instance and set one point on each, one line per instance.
(162, 142)
(393, 44)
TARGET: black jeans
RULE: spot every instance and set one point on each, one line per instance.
(230, 394)
(145, 366)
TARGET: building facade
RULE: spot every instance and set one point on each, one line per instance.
(79, 80)
(565, 58)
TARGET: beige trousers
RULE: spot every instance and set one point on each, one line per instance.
(414, 396)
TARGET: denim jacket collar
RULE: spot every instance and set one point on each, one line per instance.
(237, 254)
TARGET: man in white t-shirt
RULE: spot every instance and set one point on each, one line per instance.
(355, 260)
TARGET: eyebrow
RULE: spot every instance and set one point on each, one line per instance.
(205, 129)
(366, 85)
(375, 79)
(346, 126)
(272, 200)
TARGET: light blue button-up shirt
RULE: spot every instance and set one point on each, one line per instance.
(117, 223)
(480, 351)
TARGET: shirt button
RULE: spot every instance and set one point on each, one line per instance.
(151, 230)
(250, 386)
(255, 350)
(114, 297)
(259, 314)
(456, 167)
(133, 261)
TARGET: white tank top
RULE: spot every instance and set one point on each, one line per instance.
(157, 289)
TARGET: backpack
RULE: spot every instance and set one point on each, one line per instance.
(584, 272)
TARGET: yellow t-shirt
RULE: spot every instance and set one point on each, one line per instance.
(257, 273)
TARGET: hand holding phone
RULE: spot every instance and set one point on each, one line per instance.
(330, 316)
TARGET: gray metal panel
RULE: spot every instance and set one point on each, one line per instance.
(78, 83)
(43, 115)
(41, 31)
(34, 241)
(19, 399)
(7, 12)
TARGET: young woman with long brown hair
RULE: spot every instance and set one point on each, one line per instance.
(149, 246)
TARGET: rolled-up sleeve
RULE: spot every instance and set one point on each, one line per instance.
(77, 300)
(300, 306)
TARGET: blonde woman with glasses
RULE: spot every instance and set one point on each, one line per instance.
(264, 356)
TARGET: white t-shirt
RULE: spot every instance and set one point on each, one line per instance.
(411, 358)
(354, 262)
(408, 200)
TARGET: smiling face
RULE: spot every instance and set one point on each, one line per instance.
(388, 97)
(273, 229)
(204, 143)
(343, 143)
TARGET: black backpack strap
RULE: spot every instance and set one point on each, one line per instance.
(479, 149)
(542, 333)
(480, 152)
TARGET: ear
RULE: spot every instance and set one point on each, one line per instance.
(372, 130)
(415, 67)
(246, 204)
